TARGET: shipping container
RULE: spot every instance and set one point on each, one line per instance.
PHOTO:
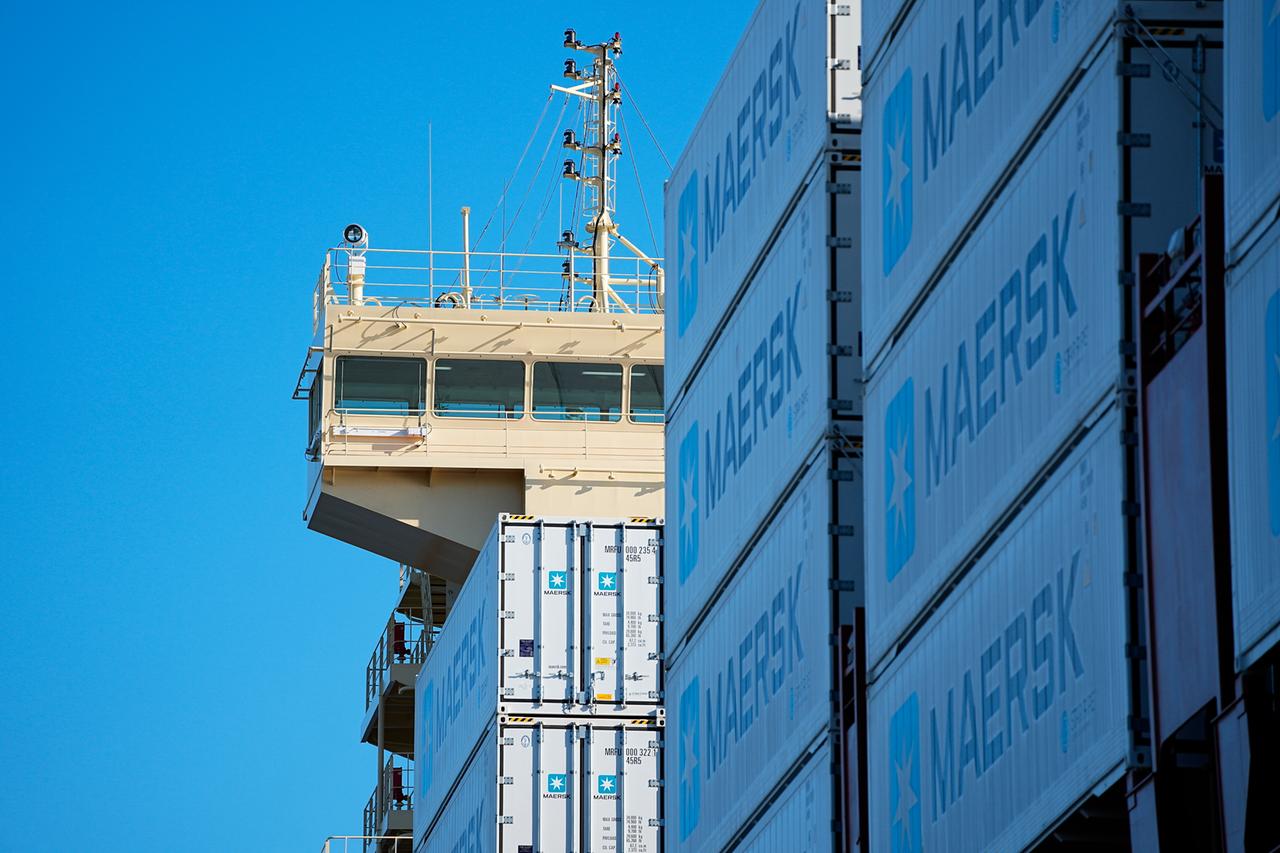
(760, 137)
(753, 685)
(1252, 117)
(760, 405)
(558, 616)
(799, 820)
(958, 100)
(1023, 337)
(1253, 392)
(555, 784)
(1011, 706)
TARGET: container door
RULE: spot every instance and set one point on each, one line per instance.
(622, 793)
(538, 789)
(622, 577)
(538, 634)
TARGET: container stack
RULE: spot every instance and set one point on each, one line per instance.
(1025, 154)
(1253, 323)
(541, 700)
(764, 436)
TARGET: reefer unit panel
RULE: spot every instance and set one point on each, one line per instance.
(799, 820)
(954, 100)
(751, 689)
(557, 785)
(558, 616)
(1014, 349)
(1253, 393)
(759, 137)
(1252, 115)
(753, 415)
(1012, 704)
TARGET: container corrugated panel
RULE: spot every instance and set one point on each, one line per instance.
(557, 784)
(799, 820)
(558, 616)
(956, 97)
(1252, 114)
(877, 18)
(1253, 365)
(751, 687)
(760, 135)
(1013, 350)
(1012, 705)
(752, 417)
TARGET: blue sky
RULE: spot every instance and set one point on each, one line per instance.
(182, 661)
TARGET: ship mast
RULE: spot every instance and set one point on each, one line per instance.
(601, 146)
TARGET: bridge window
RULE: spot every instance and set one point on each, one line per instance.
(479, 388)
(646, 394)
(572, 391)
(380, 385)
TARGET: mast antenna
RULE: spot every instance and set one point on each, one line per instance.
(600, 147)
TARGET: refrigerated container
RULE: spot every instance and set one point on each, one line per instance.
(555, 784)
(766, 396)
(1027, 332)
(1252, 133)
(1012, 704)
(1253, 446)
(799, 820)
(558, 616)
(959, 98)
(761, 135)
(752, 687)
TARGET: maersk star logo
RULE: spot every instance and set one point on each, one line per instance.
(687, 502)
(904, 778)
(607, 581)
(900, 480)
(606, 785)
(687, 259)
(557, 580)
(557, 783)
(690, 764)
(1273, 410)
(896, 193)
(1270, 58)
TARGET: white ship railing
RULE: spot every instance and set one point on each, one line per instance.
(494, 280)
(357, 843)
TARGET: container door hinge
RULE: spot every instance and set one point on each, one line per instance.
(841, 530)
(656, 617)
(839, 295)
(1133, 69)
(657, 821)
(1127, 278)
(840, 350)
(839, 188)
(840, 405)
(1133, 140)
(837, 585)
(839, 242)
(839, 10)
(838, 65)
(840, 476)
(1134, 209)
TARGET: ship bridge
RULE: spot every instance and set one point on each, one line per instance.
(445, 388)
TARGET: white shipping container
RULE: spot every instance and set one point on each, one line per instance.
(558, 616)
(1012, 704)
(956, 97)
(752, 685)
(1253, 392)
(799, 820)
(752, 416)
(1022, 336)
(1252, 115)
(556, 785)
(1010, 354)
(759, 137)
